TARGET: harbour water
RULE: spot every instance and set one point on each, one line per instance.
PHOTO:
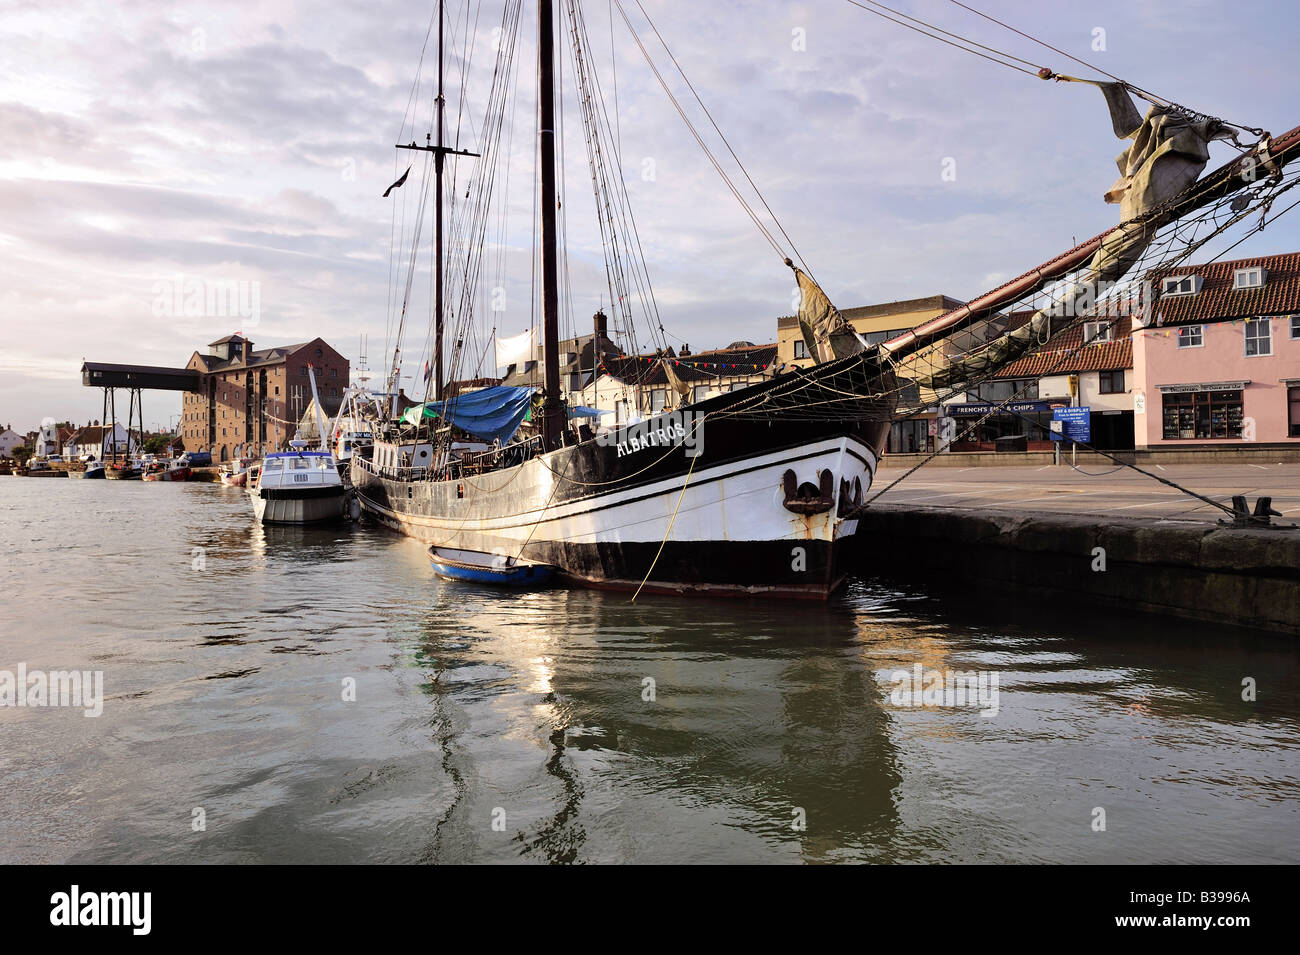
(291, 695)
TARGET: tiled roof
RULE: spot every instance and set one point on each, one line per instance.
(260, 356)
(1066, 354)
(700, 366)
(1218, 300)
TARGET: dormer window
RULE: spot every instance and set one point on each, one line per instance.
(1097, 332)
(1248, 278)
(1181, 285)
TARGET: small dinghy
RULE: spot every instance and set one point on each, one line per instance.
(496, 569)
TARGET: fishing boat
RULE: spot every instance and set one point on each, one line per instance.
(92, 470)
(171, 471)
(41, 468)
(298, 487)
(6, 469)
(758, 490)
(497, 570)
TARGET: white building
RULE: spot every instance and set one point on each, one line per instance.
(91, 440)
(9, 439)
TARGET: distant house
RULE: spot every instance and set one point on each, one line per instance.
(9, 439)
(574, 359)
(1217, 361)
(638, 385)
(91, 440)
(1088, 365)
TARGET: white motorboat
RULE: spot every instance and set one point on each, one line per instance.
(298, 487)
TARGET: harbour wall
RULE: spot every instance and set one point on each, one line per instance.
(1255, 454)
(1246, 578)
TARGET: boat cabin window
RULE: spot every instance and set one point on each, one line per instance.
(272, 464)
(300, 464)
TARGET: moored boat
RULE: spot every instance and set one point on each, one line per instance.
(169, 474)
(497, 570)
(123, 472)
(95, 469)
(298, 487)
(43, 469)
(236, 474)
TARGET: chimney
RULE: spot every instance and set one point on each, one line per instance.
(602, 324)
(246, 350)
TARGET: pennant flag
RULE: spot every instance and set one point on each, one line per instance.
(400, 182)
(427, 371)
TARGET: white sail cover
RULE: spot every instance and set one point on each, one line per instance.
(517, 349)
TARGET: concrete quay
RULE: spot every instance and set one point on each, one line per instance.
(1118, 539)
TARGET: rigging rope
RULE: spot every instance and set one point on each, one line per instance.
(1036, 71)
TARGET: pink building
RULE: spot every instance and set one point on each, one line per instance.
(1219, 362)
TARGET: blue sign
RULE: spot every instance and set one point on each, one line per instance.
(1075, 424)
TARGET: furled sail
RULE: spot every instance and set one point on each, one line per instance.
(826, 332)
(682, 388)
(1169, 151)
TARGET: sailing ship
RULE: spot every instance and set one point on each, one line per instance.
(759, 490)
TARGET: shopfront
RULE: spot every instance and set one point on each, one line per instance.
(1203, 412)
(1032, 419)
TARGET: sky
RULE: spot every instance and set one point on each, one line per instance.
(147, 147)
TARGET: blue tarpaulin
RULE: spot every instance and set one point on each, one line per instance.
(492, 413)
(582, 411)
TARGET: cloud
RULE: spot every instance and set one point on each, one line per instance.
(250, 141)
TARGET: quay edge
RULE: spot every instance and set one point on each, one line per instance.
(1244, 578)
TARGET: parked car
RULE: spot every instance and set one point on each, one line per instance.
(197, 459)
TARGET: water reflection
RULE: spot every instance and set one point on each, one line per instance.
(575, 726)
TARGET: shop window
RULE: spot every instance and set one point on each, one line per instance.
(1202, 415)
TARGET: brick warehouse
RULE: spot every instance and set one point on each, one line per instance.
(250, 401)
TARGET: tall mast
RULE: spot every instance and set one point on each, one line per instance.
(440, 152)
(552, 409)
(439, 157)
